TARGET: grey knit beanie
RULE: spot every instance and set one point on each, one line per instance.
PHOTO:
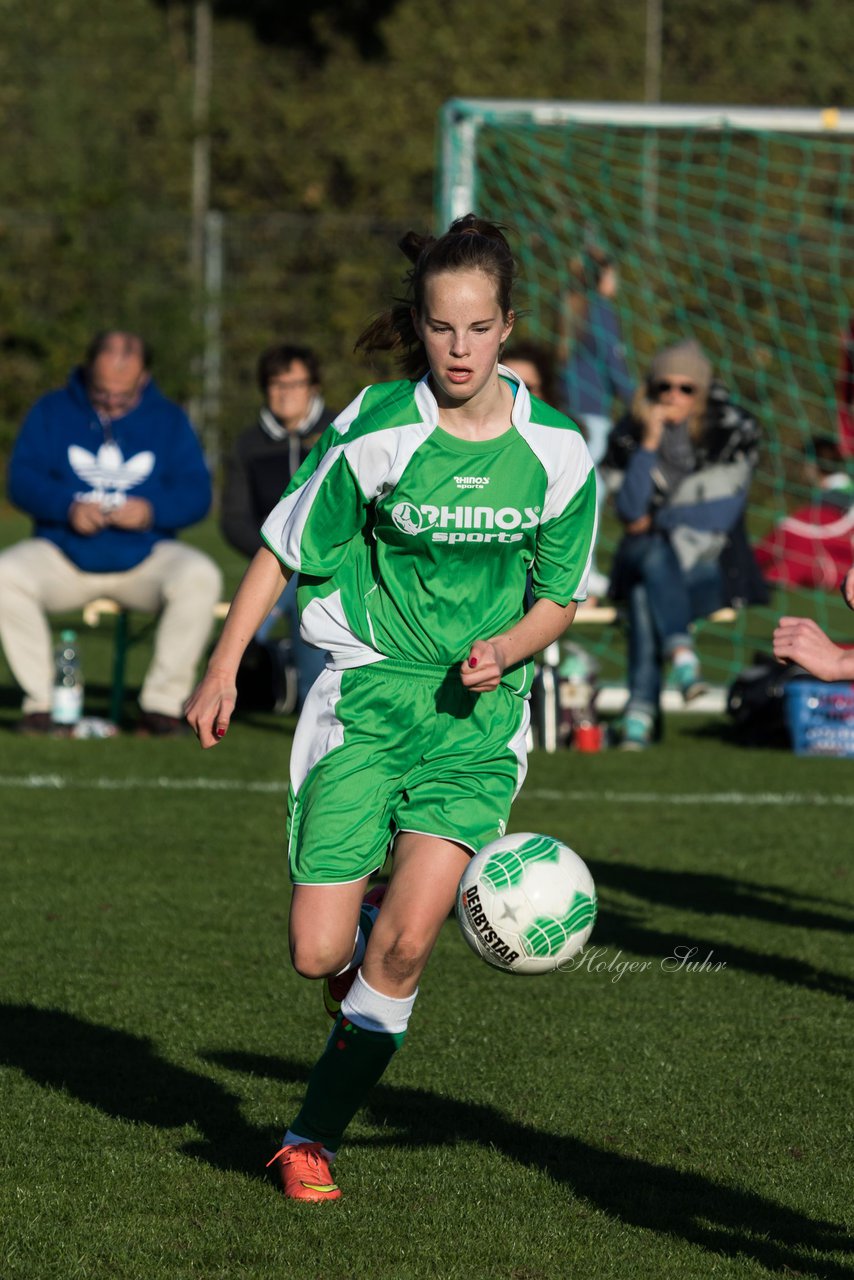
(684, 360)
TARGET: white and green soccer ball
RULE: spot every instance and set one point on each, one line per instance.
(526, 903)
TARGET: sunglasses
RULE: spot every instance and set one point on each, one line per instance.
(687, 388)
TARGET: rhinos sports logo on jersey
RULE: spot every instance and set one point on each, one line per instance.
(408, 518)
(465, 524)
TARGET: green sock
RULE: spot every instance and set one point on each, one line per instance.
(349, 1067)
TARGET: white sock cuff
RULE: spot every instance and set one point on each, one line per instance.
(360, 945)
(296, 1139)
(372, 1011)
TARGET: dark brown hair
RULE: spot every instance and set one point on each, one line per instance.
(108, 339)
(278, 359)
(542, 360)
(469, 244)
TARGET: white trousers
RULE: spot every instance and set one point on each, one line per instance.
(177, 581)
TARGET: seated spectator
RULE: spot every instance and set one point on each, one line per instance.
(813, 546)
(683, 460)
(265, 457)
(534, 365)
(109, 469)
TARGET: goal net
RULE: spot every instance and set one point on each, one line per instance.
(732, 226)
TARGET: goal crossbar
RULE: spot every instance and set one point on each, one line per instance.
(460, 119)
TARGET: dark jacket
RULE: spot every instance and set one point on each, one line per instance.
(65, 453)
(705, 511)
(262, 462)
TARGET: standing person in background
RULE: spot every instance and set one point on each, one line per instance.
(684, 459)
(413, 525)
(593, 369)
(263, 461)
(110, 470)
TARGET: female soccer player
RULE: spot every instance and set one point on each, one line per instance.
(413, 525)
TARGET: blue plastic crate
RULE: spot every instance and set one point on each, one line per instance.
(820, 717)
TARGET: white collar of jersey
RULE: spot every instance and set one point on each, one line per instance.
(519, 414)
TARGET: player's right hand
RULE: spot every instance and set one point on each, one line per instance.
(209, 708)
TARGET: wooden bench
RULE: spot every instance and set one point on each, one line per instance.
(607, 613)
(103, 607)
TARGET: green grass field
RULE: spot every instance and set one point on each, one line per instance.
(633, 1118)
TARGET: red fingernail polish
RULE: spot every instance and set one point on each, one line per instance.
(219, 733)
(472, 662)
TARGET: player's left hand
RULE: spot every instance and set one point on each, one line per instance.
(802, 641)
(483, 668)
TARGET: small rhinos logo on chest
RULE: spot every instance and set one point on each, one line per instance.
(464, 524)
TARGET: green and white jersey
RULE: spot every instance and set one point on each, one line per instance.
(413, 543)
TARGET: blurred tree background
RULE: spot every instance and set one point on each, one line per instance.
(322, 120)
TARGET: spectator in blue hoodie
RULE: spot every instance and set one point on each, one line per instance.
(594, 372)
(682, 462)
(110, 470)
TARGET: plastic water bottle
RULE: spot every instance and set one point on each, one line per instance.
(67, 699)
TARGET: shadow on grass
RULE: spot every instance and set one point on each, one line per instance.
(619, 930)
(673, 1202)
(705, 893)
(709, 895)
(123, 1075)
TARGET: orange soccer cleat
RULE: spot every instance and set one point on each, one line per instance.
(305, 1172)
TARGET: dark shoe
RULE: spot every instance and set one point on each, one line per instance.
(153, 724)
(38, 724)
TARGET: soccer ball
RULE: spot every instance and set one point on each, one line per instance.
(525, 903)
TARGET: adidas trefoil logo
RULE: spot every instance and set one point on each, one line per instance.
(107, 473)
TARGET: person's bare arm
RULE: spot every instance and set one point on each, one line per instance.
(802, 641)
(209, 708)
(489, 659)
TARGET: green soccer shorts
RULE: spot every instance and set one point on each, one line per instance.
(397, 746)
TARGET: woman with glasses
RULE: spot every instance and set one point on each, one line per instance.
(265, 456)
(683, 459)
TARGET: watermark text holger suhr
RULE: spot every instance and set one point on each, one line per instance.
(682, 959)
